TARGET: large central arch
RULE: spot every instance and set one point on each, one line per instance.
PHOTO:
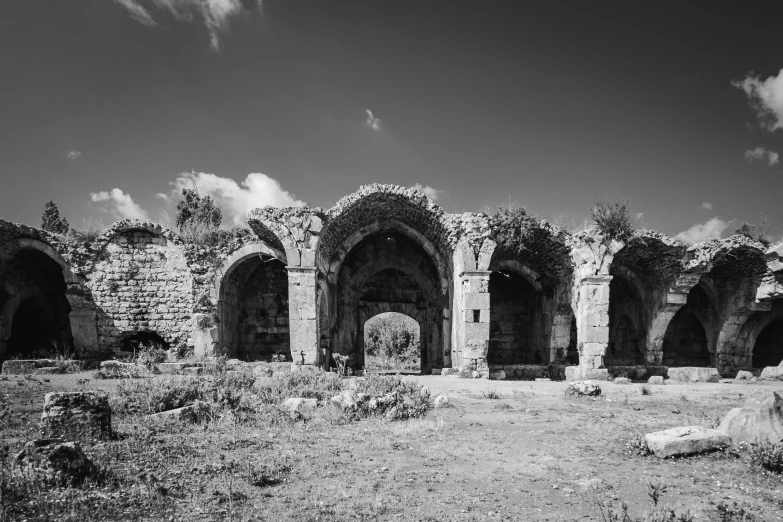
(388, 271)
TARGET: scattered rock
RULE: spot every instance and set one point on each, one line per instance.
(441, 401)
(497, 376)
(61, 462)
(116, 366)
(622, 380)
(583, 389)
(759, 420)
(770, 372)
(297, 407)
(449, 371)
(693, 374)
(655, 379)
(192, 413)
(76, 414)
(350, 400)
(743, 375)
(685, 440)
(543, 379)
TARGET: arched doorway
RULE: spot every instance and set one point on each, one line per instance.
(685, 342)
(392, 342)
(387, 272)
(515, 328)
(624, 344)
(253, 309)
(768, 349)
(36, 310)
(626, 321)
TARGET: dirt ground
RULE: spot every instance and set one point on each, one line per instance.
(530, 454)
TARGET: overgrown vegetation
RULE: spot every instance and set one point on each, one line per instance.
(392, 343)
(198, 219)
(759, 232)
(613, 218)
(657, 513)
(767, 456)
(513, 228)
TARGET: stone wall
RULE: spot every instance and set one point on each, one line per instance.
(304, 280)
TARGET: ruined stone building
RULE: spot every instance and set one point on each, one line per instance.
(305, 280)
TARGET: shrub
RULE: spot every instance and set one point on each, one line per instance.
(198, 219)
(156, 395)
(491, 394)
(51, 220)
(758, 232)
(394, 339)
(612, 217)
(767, 456)
(401, 399)
(645, 390)
(637, 446)
(514, 227)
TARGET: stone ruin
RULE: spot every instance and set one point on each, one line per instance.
(303, 282)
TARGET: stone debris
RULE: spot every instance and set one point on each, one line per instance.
(772, 373)
(497, 376)
(61, 462)
(744, 375)
(686, 440)
(436, 371)
(261, 371)
(583, 389)
(76, 414)
(195, 412)
(656, 380)
(759, 420)
(350, 400)
(441, 401)
(297, 407)
(31, 366)
(693, 374)
(622, 380)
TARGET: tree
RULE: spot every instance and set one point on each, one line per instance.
(197, 218)
(51, 220)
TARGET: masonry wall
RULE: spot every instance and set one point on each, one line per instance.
(141, 282)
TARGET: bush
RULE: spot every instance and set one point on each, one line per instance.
(612, 218)
(400, 399)
(198, 219)
(156, 395)
(767, 456)
(758, 232)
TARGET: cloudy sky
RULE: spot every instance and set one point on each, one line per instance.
(678, 107)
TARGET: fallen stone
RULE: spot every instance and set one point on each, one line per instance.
(383, 402)
(436, 371)
(743, 375)
(192, 413)
(693, 374)
(475, 374)
(349, 400)
(655, 379)
(497, 376)
(771, 373)
(116, 365)
(441, 401)
(759, 420)
(622, 380)
(76, 414)
(24, 366)
(583, 389)
(61, 462)
(686, 440)
(449, 371)
(173, 367)
(297, 407)
(48, 370)
(543, 379)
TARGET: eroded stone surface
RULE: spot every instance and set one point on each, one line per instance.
(61, 462)
(759, 420)
(685, 440)
(76, 414)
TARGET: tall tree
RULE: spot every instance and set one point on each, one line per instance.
(51, 220)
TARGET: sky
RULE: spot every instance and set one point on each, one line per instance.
(110, 108)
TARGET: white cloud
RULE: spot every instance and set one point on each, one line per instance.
(766, 96)
(706, 205)
(235, 200)
(760, 154)
(214, 14)
(428, 191)
(73, 155)
(710, 229)
(372, 122)
(119, 204)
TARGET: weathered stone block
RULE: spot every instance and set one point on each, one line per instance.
(193, 413)
(656, 380)
(61, 462)
(76, 414)
(497, 376)
(772, 373)
(477, 331)
(693, 374)
(595, 334)
(743, 375)
(575, 373)
(759, 420)
(586, 388)
(685, 440)
(476, 301)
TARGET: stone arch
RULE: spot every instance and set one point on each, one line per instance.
(627, 321)
(251, 289)
(687, 342)
(387, 271)
(418, 314)
(517, 330)
(33, 299)
(760, 339)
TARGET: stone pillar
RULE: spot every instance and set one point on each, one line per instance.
(592, 321)
(474, 320)
(84, 322)
(302, 315)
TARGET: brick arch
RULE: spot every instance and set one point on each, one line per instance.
(239, 256)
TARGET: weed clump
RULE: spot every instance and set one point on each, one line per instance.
(393, 397)
(767, 456)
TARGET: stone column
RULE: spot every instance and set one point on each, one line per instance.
(474, 320)
(302, 315)
(592, 320)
